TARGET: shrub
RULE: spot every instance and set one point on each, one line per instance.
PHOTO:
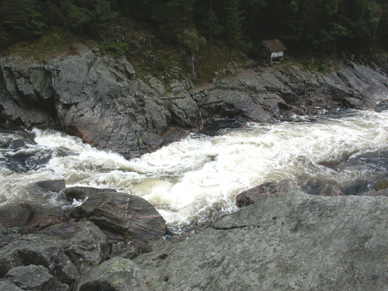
(115, 49)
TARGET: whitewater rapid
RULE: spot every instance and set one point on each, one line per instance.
(195, 179)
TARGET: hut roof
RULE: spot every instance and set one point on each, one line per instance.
(274, 45)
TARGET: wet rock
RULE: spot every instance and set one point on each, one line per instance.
(263, 191)
(383, 192)
(252, 195)
(46, 216)
(218, 126)
(51, 185)
(116, 274)
(15, 215)
(285, 186)
(331, 190)
(129, 216)
(290, 241)
(80, 193)
(34, 278)
(17, 144)
(381, 185)
(26, 160)
(31, 217)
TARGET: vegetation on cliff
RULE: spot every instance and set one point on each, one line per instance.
(157, 35)
(310, 25)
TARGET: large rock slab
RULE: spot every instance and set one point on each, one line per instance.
(293, 241)
(130, 216)
(116, 274)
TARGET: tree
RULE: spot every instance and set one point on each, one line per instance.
(233, 25)
(252, 11)
(21, 19)
(213, 28)
(4, 37)
(171, 17)
(78, 19)
(104, 12)
(192, 42)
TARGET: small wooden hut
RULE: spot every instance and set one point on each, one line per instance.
(271, 49)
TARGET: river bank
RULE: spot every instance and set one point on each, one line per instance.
(103, 101)
(286, 240)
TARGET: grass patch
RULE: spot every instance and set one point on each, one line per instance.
(53, 43)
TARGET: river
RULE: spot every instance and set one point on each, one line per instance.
(193, 180)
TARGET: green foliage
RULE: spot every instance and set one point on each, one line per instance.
(115, 49)
(319, 27)
(191, 41)
(78, 19)
(21, 18)
(171, 17)
(104, 12)
(233, 24)
(35, 26)
(4, 37)
(212, 24)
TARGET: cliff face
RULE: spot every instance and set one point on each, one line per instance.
(97, 98)
(102, 100)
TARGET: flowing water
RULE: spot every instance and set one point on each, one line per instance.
(197, 178)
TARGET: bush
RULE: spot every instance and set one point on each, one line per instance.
(115, 49)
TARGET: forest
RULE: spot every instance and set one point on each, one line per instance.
(320, 27)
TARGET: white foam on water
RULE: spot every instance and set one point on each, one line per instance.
(193, 179)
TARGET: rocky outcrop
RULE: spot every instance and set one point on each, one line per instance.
(96, 98)
(48, 248)
(66, 250)
(103, 101)
(287, 90)
(292, 241)
(51, 185)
